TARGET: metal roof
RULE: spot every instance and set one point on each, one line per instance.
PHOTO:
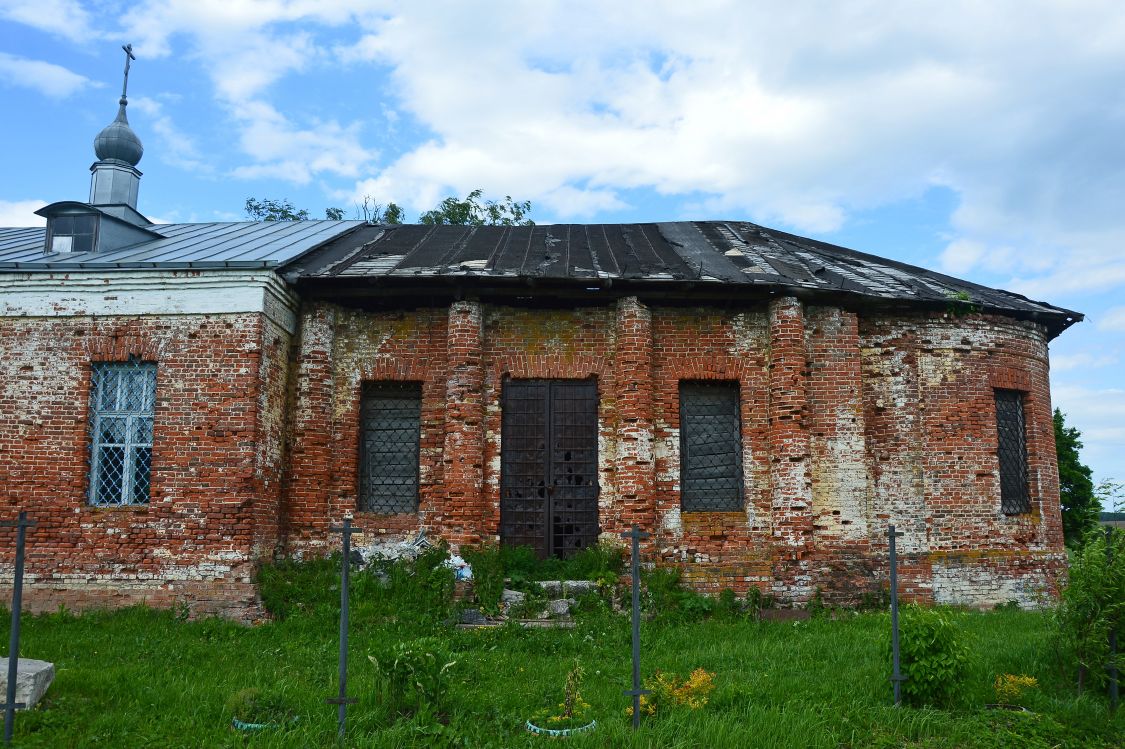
(732, 257)
(210, 245)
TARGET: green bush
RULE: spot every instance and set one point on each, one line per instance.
(591, 563)
(421, 589)
(815, 606)
(1092, 603)
(260, 707)
(414, 676)
(290, 586)
(488, 575)
(596, 561)
(933, 656)
(666, 599)
(728, 603)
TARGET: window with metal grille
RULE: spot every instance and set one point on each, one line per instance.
(390, 417)
(710, 447)
(1011, 449)
(122, 401)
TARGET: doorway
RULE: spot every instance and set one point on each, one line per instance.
(549, 465)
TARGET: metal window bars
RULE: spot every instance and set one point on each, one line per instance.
(710, 447)
(1011, 451)
(122, 402)
(390, 433)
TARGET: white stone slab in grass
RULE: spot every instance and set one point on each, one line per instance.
(32, 679)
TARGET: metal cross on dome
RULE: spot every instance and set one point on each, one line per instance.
(129, 57)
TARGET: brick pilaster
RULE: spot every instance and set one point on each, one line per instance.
(633, 463)
(310, 475)
(463, 451)
(790, 478)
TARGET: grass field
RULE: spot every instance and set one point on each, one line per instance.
(141, 678)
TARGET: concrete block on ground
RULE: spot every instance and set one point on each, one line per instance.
(551, 587)
(559, 607)
(32, 679)
(573, 588)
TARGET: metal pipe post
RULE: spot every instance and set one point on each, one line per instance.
(896, 672)
(635, 535)
(10, 704)
(1113, 675)
(346, 564)
(342, 700)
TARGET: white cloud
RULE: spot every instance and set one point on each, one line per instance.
(1081, 361)
(282, 151)
(21, 213)
(570, 202)
(47, 78)
(773, 112)
(176, 147)
(1099, 413)
(245, 53)
(1112, 319)
(66, 18)
(797, 114)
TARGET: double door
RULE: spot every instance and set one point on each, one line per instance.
(549, 465)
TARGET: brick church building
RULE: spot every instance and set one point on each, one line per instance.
(181, 402)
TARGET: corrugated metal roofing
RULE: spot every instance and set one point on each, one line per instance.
(730, 254)
(210, 245)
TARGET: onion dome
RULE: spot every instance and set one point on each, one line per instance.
(118, 141)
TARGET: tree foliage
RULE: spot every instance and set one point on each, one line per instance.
(1076, 487)
(1111, 495)
(269, 209)
(372, 212)
(472, 211)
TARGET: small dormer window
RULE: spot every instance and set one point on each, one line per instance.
(72, 233)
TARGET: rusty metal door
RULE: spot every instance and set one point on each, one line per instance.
(549, 465)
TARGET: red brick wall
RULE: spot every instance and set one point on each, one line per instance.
(714, 549)
(929, 399)
(337, 351)
(215, 465)
(850, 422)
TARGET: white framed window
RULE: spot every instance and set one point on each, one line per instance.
(122, 403)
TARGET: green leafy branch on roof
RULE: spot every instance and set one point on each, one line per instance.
(473, 210)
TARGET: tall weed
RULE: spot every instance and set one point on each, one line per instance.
(1091, 605)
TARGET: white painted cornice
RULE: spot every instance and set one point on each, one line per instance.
(148, 292)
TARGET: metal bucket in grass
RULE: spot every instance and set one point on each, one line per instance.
(561, 732)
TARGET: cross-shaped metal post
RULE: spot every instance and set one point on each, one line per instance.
(129, 57)
(21, 525)
(341, 700)
(896, 672)
(635, 535)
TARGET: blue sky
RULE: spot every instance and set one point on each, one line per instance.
(981, 139)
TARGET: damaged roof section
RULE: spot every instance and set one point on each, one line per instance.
(734, 257)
